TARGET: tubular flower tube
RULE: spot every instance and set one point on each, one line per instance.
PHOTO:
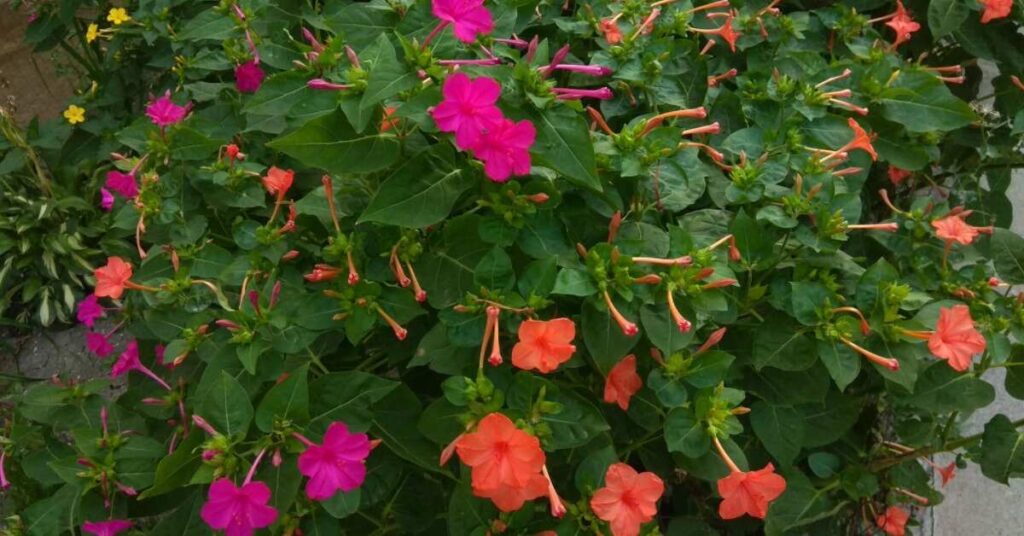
(568, 93)
(713, 339)
(680, 321)
(713, 128)
(649, 279)
(721, 283)
(329, 194)
(613, 227)
(656, 121)
(685, 260)
(861, 140)
(713, 153)
(889, 227)
(494, 320)
(514, 42)
(557, 508)
(847, 171)
(713, 81)
(589, 70)
(353, 274)
(556, 59)
(396, 268)
(400, 332)
(323, 85)
(841, 76)
(886, 362)
(1017, 82)
(734, 252)
(488, 331)
(865, 328)
(598, 120)
(322, 272)
(885, 199)
(628, 328)
(421, 295)
(647, 24)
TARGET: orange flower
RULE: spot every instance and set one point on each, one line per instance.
(544, 345)
(611, 31)
(506, 462)
(897, 175)
(894, 521)
(112, 279)
(622, 383)
(902, 24)
(510, 498)
(955, 338)
(727, 33)
(749, 492)
(628, 499)
(954, 229)
(861, 139)
(995, 9)
(278, 181)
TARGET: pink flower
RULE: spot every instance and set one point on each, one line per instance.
(249, 77)
(505, 148)
(89, 309)
(106, 528)
(468, 108)
(4, 483)
(129, 361)
(98, 344)
(238, 511)
(164, 112)
(338, 464)
(106, 200)
(468, 17)
(122, 183)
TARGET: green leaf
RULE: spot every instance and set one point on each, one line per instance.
(361, 23)
(780, 428)
(921, 103)
(177, 468)
(209, 25)
(828, 421)
(446, 268)
(51, 515)
(671, 393)
(563, 144)
(468, 515)
(1002, 450)
(575, 422)
(801, 504)
(573, 282)
(685, 434)
(843, 364)
(941, 389)
(605, 341)
(1014, 382)
(781, 344)
(421, 192)
(393, 421)
(388, 76)
(225, 405)
(329, 142)
(279, 94)
(946, 16)
(809, 298)
(662, 331)
(1008, 255)
(348, 397)
(286, 400)
(341, 504)
(494, 271)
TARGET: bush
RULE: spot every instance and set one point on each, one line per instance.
(372, 236)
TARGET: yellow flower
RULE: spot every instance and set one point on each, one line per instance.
(118, 16)
(74, 114)
(92, 33)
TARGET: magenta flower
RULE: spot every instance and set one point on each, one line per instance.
(122, 183)
(249, 77)
(505, 148)
(98, 344)
(112, 527)
(106, 200)
(467, 17)
(89, 309)
(163, 112)
(4, 483)
(238, 511)
(338, 464)
(468, 108)
(129, 361)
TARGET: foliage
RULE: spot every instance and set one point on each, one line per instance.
(811, 282)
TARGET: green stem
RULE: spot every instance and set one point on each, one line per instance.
(885, 463)
(93, 73)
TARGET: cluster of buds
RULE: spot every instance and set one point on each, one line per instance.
(817, 94)
(492, 306)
